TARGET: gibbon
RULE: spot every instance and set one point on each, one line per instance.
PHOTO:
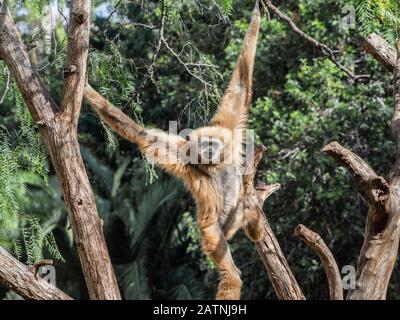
(213, 172)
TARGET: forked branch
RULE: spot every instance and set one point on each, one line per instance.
(279, 272)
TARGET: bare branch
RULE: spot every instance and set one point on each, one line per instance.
(282, 278)
(21, 279)
(394, 175)
(252, 163)
(316, 243)
(396, 113)
(363, 173)
(150, 68)
(77, 54)
(324, 49)
(279, 273)
(263, 191)
(380, 49)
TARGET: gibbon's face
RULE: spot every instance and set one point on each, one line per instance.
(213, 145)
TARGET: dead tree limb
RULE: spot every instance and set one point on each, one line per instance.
(60, 136)
(381, 240)
(382, 231)
(381, 50)
(22, 279)
(315, 242)
(323, 48)
(279, 272)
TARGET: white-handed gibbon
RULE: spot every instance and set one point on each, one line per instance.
(214, 174)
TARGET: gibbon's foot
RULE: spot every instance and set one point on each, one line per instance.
(229, 288)
(254, 227)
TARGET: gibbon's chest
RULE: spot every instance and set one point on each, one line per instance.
(227, 182)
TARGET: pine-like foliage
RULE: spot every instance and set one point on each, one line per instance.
(22, 154)
(381, 16)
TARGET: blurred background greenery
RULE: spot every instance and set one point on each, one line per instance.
(301, 102)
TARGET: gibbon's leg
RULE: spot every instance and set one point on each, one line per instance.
(157, 145)
(253, 224)
(216, 247)
(232, 112)
(234, 222)
(247, 216)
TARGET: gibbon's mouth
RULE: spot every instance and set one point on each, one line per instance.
(211, 156)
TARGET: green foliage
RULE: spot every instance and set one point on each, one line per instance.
(379, 16)
(301, 103)
(227, 5)
(192, 235)
(22, 156)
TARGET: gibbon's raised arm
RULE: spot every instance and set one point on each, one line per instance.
(158, 146)
(232, 112)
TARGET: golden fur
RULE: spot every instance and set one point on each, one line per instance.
(216, 187)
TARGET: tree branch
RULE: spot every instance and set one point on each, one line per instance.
(279, 273)
(252, 163)
(263, 191)
(59, 135)
(355, 164)
(380, 49)
(394, 175)
(315, 242)
(376, 187)
(77, 54)
(22, 280)
(324, 49)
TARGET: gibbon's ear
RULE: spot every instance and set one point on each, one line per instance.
(158, 146)
(232, 112)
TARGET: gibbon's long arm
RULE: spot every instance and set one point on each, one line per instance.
(232, 112)
(160, 147)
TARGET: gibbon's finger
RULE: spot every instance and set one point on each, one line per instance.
(232, 112)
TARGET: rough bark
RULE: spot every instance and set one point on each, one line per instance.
(381, 240)
(77, 54)
(59, 134)
(23, 280)
(382, 232)
(315, 242)
(279, 272)
(380, 49)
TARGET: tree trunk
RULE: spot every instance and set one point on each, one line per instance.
(59, 133)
